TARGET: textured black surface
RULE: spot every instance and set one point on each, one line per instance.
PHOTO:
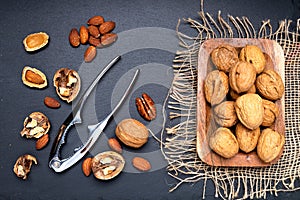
(19, 18)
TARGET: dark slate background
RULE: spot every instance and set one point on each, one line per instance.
(57, 17)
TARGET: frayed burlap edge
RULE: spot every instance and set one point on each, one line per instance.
(179, 146)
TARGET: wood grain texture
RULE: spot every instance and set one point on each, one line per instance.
(205, 122)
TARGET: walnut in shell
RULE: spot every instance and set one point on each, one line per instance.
(246, 138)
(224, 114)
(234, 95)
(242, 76)
(107, 165)
(35, 125)
(270, 85)
(23, 165)
(224, 143)
(67, 84)
(224, 57)
(271, 112)
(216, 87)
(270, 144)
(250, 110)
(253, 54)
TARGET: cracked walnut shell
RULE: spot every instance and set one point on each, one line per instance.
(216, 87)
(250, 110)
(270, 85)
(35, 41)
(35, 125)
(23, 165)
(224, 114)
(246, 138)
(224, 57)
(270, 144)
(242, 76)
(107, 165)
(224, 143)
(67, 84)
(253, 54)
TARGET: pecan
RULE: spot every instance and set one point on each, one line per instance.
(146, 107)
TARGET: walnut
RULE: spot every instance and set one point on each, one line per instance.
(35, 125)
(234, 95)
(250, 110)
(224, 143)
(270, 144)
(224, 114)
(271, 111)
(23, 165)
(253, 54)
(216, 87)
(270, 85)
(242, 76)
(224, 57)
(246, 138)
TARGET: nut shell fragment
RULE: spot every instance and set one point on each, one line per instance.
(33, 77)
(35, 125)
(23, 165)
(35, 41)
(107, 165)
(67, 84)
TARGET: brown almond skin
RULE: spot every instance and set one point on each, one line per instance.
(34, 78)
(90, 54)
(87, 166)
(96, 20)
(42, 142)
(108, 38)
(95, 41)
(94, 31)
(141, 164)
(107, 27)
(115, 145)
(84, 34)
(51, 102)
(74, 37)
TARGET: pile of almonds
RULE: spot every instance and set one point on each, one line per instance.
(97, 34)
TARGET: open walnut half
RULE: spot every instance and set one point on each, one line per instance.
(107, 165)
(35, 125)
(67, 84)
(23, 165)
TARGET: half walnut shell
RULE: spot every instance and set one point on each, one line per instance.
(35, 125)
(107, 165)
(67, 84)
(23, 165)
(35, 41)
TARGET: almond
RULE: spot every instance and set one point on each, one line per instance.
(141, 164)
(87, 166)
(95, 20)
(33, 77)
(74, 38)
(94, 31)
(95, 41)
(42, 142)
(51, 102)
(90, 54)
(115, 145)
(84, 34)
(107, 27)
(108, 38)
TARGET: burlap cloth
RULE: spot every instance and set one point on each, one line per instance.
(179, 146)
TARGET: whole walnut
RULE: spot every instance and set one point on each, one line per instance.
(224, 143)
(224, 57)
(216, 87)
(271, 112)
(253, 54)
(224, 114)
(269, 145)
(250, 110)
(246, 138)
(234, 95)
(242, 76)
(270, 85)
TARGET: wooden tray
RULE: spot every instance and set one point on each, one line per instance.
(205, 123)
